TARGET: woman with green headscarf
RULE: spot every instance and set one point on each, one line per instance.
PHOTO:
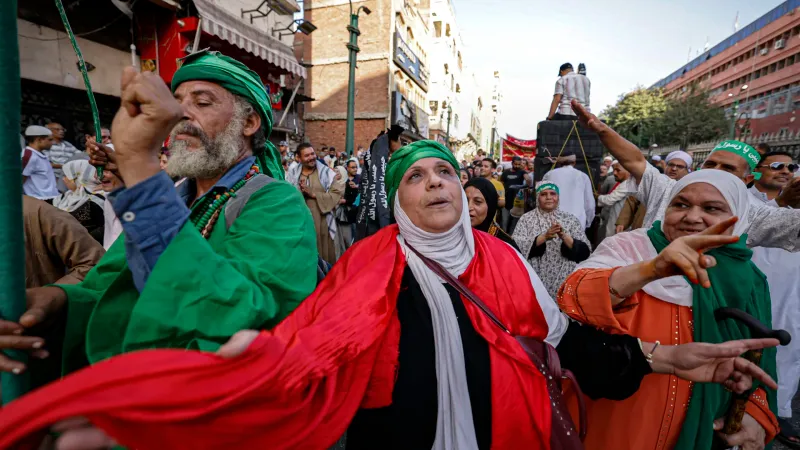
(663, 285)
(553, 240)
(383, 350)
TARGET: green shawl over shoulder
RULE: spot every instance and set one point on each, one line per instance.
(200, 291)
(735, 282)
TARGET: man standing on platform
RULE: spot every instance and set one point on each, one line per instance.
(322, 189)
(570, 86)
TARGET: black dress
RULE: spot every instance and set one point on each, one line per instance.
(606, 366)
(90, 215)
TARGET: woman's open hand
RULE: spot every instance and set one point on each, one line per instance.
(715, 363)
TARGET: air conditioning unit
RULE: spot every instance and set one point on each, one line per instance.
(763, 51)
(780, 43)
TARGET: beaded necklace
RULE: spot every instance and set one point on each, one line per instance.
(208, 213)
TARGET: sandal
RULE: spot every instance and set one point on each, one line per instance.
(788, 435)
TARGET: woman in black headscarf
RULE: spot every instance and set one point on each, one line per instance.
(482, 198)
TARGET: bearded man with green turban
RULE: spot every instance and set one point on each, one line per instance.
(232, 247)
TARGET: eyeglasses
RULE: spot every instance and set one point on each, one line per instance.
(676, 166)
(779, 166)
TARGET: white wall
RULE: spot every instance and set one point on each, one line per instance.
(45, 58)
(273, 21)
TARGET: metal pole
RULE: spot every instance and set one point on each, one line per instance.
(12, 256)
(449, 112)
(491, 148)
(733, 119)
(196, 42)
(351, 85)
(289, 105)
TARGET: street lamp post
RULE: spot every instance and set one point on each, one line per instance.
(734, 116)
(449, 113)
(351, 85)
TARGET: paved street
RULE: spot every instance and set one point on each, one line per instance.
(795, 422)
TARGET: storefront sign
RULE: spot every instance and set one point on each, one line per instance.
(409, 116)
(409, 63)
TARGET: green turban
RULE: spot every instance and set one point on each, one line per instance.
(239, 80)
(747, 152)
(403, 158)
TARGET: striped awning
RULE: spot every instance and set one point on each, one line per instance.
(242, 34)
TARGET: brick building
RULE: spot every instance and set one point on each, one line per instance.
(391, 74)
(755, 75)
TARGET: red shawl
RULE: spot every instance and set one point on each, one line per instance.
(299, 385)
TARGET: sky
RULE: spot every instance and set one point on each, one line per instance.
(624, 43)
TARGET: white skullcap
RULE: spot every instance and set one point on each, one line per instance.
(38, 130)
(608, 158)
(656, 158)
(683, 156)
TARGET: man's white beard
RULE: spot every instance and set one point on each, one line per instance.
(211, 159)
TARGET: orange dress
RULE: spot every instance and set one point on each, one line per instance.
(651, 419)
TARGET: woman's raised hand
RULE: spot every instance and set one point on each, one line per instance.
(685, 255)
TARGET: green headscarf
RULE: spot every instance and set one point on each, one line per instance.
(403, 158)
(239, 80)
(750, 293)
(546, 186)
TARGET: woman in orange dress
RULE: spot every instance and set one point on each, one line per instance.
(633, 284)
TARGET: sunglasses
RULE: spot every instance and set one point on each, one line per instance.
(779, 166)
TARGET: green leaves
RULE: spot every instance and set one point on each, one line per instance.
(648, 116)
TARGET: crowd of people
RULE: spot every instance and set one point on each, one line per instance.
(250, 296)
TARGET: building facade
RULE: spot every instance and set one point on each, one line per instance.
(461, 98)
(391, 74)
(53, 87)
(755, 75)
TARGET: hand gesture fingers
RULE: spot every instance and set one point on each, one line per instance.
(586, 118)
(701, 243)
(721, 227)
(16, 342)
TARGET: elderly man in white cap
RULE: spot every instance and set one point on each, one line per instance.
(38, 179)
(576, 196)
(679, 164)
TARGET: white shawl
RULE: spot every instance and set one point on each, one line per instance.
(85, 178)
(634, 247)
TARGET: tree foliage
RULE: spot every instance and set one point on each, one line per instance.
(637, 114)
(647, 116)
(692, 119)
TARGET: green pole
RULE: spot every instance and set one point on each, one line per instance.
(85, 73)
(12, 256)
(733, 119)
(351, 85)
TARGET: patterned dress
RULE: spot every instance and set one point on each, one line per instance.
(554, 265)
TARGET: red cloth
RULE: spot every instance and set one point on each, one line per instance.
(300, 385)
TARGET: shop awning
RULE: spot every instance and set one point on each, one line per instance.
(235, 30)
